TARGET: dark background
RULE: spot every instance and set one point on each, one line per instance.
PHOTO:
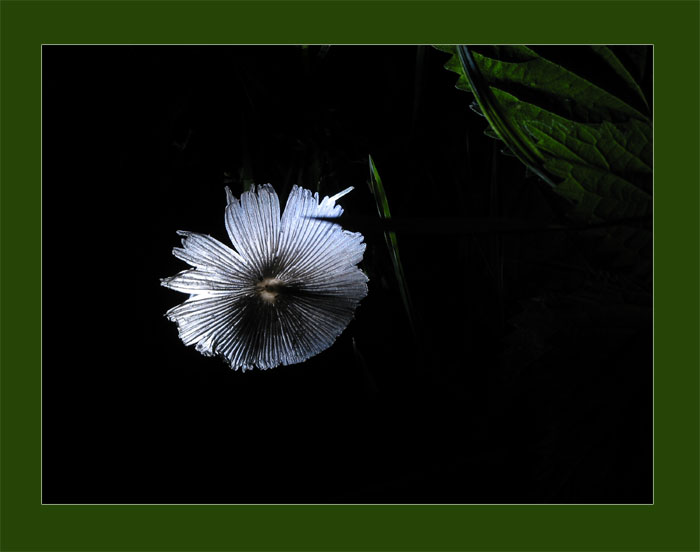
(530, 379)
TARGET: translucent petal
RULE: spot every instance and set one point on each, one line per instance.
(207, 253)
(201, 320)
(200, 281)
(253, 225)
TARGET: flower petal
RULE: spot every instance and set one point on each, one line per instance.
(205, 252)
(204, 282)
(264, 336)
(316, 253)
(253, 225)
(201, 320)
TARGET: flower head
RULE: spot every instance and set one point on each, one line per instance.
(283, 295)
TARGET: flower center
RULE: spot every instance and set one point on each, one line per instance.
(268, 289)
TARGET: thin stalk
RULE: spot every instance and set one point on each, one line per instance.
(375, 182)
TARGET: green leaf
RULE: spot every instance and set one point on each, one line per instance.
(621, 149)
(455, 66)
(591, 145)
(506, 129)
(598, 194)
(564, 91)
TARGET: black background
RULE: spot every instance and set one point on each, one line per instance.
(512, 391)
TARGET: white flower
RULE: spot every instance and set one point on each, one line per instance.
(287, 291)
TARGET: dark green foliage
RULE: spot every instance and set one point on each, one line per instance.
(580, 119)
(593, 144)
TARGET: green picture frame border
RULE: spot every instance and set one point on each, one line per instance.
(671, 523)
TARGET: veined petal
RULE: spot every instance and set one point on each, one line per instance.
(205, 282)
(205, 252)
(253, 225)
(313, 251)
(300, 232)
(200, 320)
